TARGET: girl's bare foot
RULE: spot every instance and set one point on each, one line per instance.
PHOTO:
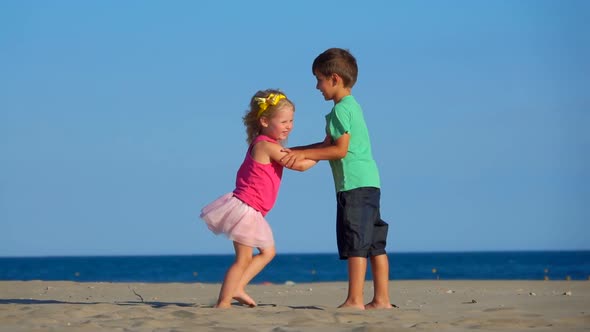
(244, 299)
(375, 305)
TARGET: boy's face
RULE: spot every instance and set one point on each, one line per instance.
(326, 85)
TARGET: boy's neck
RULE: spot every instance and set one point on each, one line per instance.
(341, 94)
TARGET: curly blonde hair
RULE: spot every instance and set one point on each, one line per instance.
(252, 117)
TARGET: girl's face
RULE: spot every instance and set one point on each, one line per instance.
(280, 125)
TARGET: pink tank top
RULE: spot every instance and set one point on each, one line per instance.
(258, 184)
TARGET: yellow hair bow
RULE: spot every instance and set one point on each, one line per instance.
(271, 100)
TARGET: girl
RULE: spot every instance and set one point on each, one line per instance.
(240, 214)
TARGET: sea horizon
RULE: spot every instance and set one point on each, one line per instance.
(292, 253)
(306, 267)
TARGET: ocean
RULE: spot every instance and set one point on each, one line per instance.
(299, 268)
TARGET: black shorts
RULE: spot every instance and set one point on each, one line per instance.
(360, 232)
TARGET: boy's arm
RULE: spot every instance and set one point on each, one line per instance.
(324, 151)
(326, 141)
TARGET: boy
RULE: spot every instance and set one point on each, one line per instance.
(360, 232)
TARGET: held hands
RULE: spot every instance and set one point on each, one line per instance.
(292, 157)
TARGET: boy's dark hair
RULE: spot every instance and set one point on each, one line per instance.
(337, 61)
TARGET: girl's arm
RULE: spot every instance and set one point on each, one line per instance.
(301, 165)
(265, 152)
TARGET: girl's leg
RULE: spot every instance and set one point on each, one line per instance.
(380, 270)
(234, 274)
(256, 265)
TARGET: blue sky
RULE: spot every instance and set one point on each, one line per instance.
(120, 120)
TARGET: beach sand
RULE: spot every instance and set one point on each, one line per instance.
(433, 305)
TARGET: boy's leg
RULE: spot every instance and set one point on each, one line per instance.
(234, 274)
(380, 270)
(357, 267)
(353, 233)
(256, 265)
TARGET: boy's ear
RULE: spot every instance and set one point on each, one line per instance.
(335, 79)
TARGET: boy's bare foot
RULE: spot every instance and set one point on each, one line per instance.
(347, 305)
(245, 299)
(222, 305)
(376, 305)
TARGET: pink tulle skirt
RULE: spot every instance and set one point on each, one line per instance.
(238, 221)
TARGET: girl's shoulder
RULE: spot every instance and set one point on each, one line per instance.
(267, 150)
(267, 145)
(264, 138)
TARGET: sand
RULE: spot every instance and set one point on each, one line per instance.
(421, 306)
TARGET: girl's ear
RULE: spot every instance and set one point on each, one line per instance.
(263, 121)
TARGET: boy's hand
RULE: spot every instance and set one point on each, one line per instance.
(292, 157)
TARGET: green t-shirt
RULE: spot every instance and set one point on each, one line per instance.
(358, 168)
